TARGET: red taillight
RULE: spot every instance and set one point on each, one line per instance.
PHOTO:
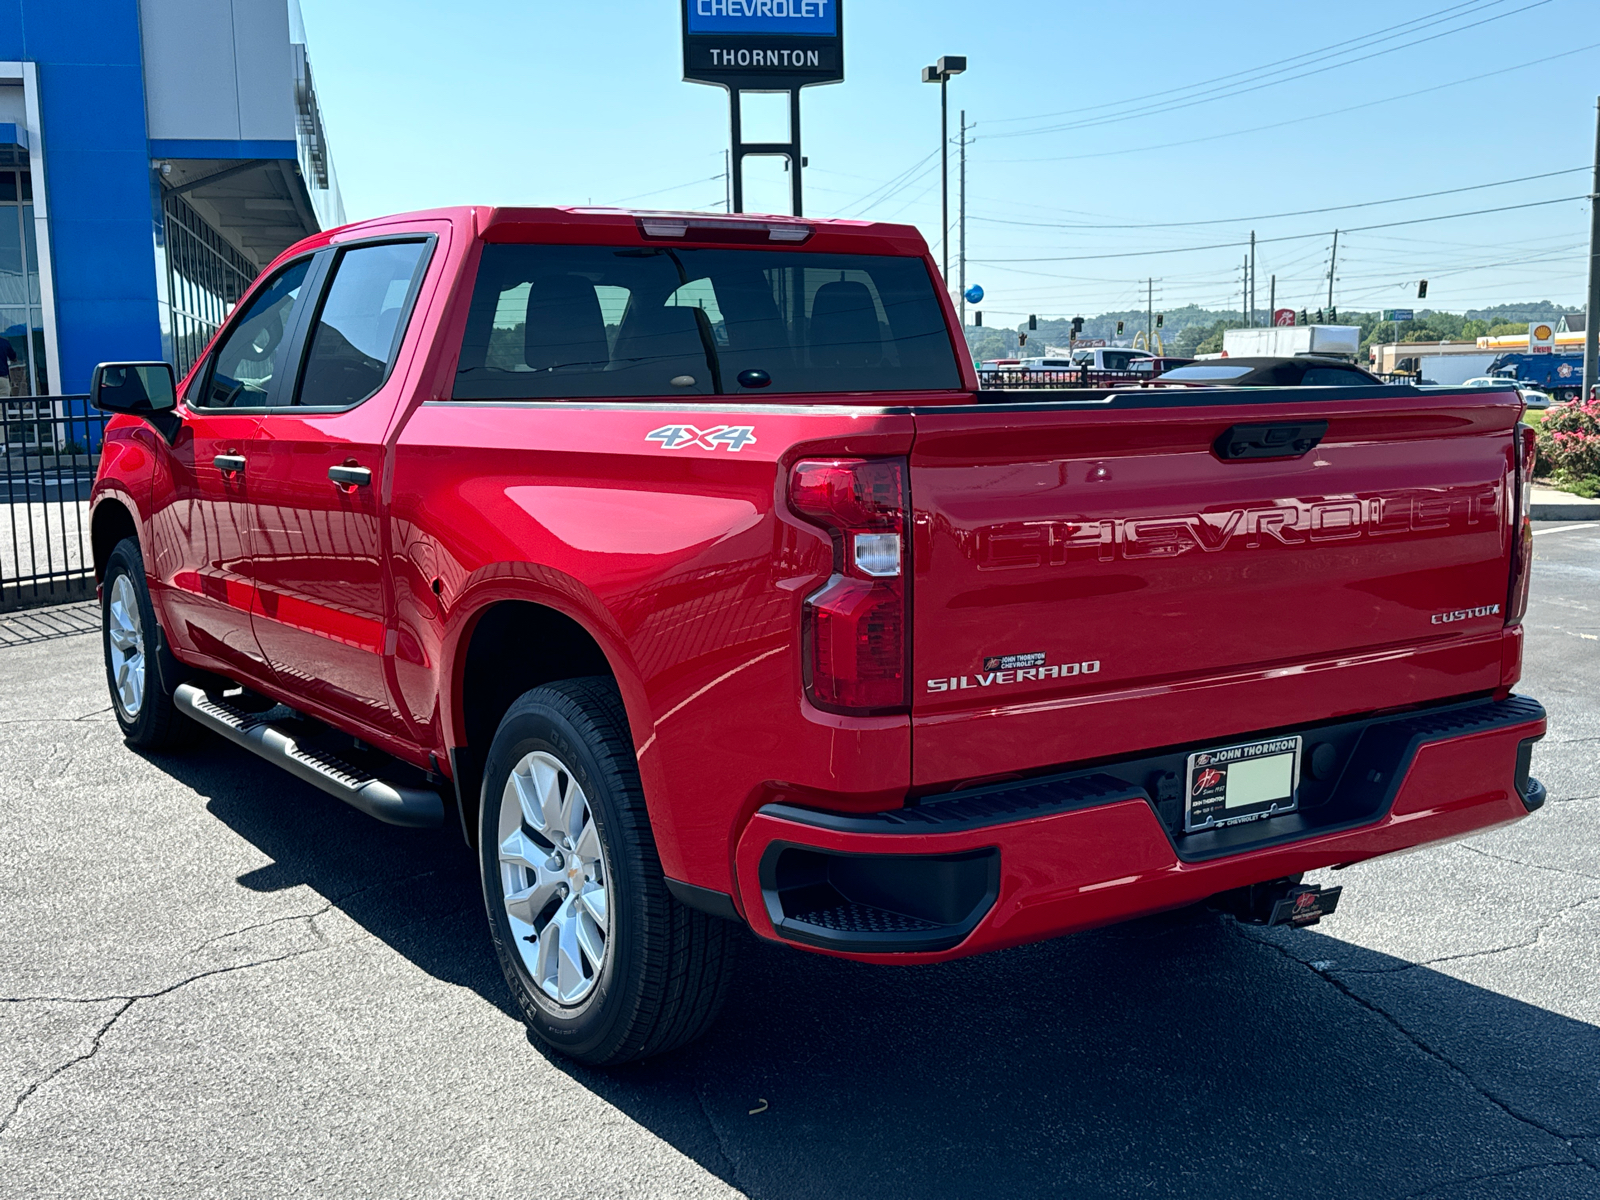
(854, 629)
(1527, 453)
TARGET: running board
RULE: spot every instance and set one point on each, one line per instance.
(418, 808)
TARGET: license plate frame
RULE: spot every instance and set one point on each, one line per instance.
(1261, 786)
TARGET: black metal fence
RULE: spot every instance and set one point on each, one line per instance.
(1023, 379)
(49, 451)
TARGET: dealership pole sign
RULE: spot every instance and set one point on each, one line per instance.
(764, 46)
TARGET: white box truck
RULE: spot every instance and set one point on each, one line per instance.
(1290, 341)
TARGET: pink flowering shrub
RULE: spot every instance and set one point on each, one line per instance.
(1569, 439)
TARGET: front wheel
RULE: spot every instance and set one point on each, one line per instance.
(604, 963)
(138, 668)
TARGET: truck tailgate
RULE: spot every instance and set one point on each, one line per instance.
(1091, 578)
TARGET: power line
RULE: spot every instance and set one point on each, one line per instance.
(1290, 237)
(1304, 212)
(1213, 137)
(1309, 54)
(1224, 93)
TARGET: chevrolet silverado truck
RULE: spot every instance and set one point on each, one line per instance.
(682, 563)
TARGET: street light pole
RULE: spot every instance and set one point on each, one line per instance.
(962, 273)
(1591, 336)
(940, 73)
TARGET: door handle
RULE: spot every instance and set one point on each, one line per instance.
(350, 476)
(229, 463)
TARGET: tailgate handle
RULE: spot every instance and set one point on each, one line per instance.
(1270, 441)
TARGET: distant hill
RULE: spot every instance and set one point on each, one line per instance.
(1191, 330)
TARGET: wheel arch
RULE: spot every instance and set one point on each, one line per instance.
(509, 645)
(112, 522)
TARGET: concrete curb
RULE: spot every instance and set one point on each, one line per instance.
(1551, 505)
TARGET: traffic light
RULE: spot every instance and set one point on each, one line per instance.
(1159, 318)
(1119, 328)
(1333, 315)
(1305, 319)
(1422, 290)
(1022, 339)
(1033, 321)
(1320, 321)
(977, 319)
(1077, 326)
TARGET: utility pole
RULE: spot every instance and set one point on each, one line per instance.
(1272, 301)
(963, 283)
(1591, 336)
(1332, 259)
(1252, 321)
(1244, 287)
(1149, 311)
(727, 181)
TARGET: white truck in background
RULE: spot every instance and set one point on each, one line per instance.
(1291, 341)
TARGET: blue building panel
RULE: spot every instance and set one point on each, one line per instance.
(89, 32)
(91, 106)
(216, 148)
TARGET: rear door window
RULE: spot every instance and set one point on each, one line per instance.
(594, 321)
(359, 328)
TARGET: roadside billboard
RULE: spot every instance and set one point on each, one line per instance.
(1283, 316)
(756, 45)
(1541, 337)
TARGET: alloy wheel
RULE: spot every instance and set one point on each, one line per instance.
(553, 878)
(125, 637)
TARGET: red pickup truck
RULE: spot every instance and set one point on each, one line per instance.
(683, 563)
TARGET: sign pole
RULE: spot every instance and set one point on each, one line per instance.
(777, 49)
(1591, 336)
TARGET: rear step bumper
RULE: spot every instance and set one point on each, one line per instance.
(1001, 866)
(418, 808)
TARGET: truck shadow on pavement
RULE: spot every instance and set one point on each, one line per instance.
(1181, 1055)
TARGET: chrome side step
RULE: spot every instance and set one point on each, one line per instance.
(419, 808)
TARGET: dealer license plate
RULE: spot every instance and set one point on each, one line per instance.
(1247, 782)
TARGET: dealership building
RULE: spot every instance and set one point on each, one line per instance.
(154, 156)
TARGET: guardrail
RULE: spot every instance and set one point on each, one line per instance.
(49, 452)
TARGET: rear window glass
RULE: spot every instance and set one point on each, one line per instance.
(557, 322)
(1205, 374)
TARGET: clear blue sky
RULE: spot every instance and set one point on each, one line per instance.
(536, 102)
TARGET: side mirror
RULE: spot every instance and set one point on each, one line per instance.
(139, 389)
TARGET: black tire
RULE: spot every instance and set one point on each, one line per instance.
(154, 723)
(665, 967)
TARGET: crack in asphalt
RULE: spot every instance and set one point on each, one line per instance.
(1538, 934)
(1437, 1055)
(127, 1003)
(716, 1136)
(1519, 862)
(1506, 1174)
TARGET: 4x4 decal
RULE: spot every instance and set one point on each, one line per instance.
(679, 437)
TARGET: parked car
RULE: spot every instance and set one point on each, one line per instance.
(591, 533)
(1108, 358)
(1531, 396)
(1159, 365)
(1304, 371)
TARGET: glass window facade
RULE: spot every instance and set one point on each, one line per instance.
(22, 354)
(206, 275)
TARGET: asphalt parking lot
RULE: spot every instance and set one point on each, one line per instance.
(216, 981)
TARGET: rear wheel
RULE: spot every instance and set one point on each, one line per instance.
(139, 670)
(605, 965)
